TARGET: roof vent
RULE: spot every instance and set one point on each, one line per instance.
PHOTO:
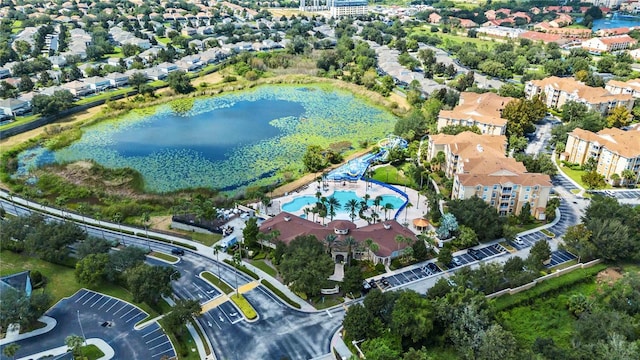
(386, 226)
(479, 148)
(287, 218)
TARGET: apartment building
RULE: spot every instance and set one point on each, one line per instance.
(340, 8)
(609, 44)
(615, 150)
(631, 87)
(557, 91)
(481, 110)
(479, 167)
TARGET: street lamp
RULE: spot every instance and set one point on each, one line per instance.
(84, 339)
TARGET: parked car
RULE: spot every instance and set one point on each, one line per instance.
(176, 251)
(518, 241)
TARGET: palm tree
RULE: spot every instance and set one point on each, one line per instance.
(377, 201)
(236, 261)
(82, 209)
(407, 253)
(352, 207)
(399, 240)
(61, 201)
(323, 209)
(10, 350)
(145, 221)
(350, 242)
(406, 211)
(628, 175)
(74, 342)
(372, 246)
(387, 207)
(117, 217)
(330, 240)
(216, 250)
(375, 217)
(334, 205)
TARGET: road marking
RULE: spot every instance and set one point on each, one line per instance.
(114, 304)
(127, 312)
(83, 295)
(151, 332)
(248, 287)
(89, 299)
(123, 306)
(105, 303)
(157, 346)
(214, 303)
(133, 317)
(154, 339)
(328, 313)
(160, 353)
(94, 304)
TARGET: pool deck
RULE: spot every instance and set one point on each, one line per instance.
(418, 210)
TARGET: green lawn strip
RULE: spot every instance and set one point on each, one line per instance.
(103, 96)
(223, 286)
(243, 269)
(548, 287)
(262, 265)
(506, 245)
(183, 342)
(205, 343)
(576, 175)
(244, 306)
(163, 40)
(19, 121)
(204, 239)
(326, 301)
(91, 352)
(565, 265)
(117, 53)
(163, 256)
(548, 233)
(390, 174)
(280, 294)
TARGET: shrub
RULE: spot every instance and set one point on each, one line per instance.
(380, 268)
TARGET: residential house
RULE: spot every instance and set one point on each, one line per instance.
(499, 32)
(384, 234)
(467, 24)
(117, 79)
(613, 31)
(557, 91)
(479, 167)
(97, 83)
(14, 107)
(481, 110)
(155, 74)
(609, 44)
(58, 62)
(167, 67)
(435, 18)
(613, 149)
(78, 88)
(631, 87)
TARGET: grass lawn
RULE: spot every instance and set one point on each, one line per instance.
(576, 175)
(326, 301)
(91, 352)
(205, 239)
(391, 175)
(223, 286)
(117, 53)
(244, 306)
(20, 120)
(163, 256)
(163, 40)
(104, 95)
(262, 265)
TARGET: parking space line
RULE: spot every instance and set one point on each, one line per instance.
(94, 304)
(83, 295)
(89, 299)
(160, 353)
(114, 304)
(151, 332)
(157, 346)
(154, 339)
(123, 306)
(133, 317)
(106, 302)
(127, 312)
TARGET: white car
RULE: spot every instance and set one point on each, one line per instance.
(518, 241)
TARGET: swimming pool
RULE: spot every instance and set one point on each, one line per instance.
(343, 197)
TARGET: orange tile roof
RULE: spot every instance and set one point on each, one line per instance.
(483, 108)
(523, 179)
(623, 143)
(594, 95)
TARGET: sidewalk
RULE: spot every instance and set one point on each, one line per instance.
(50, 324)
(60, 350)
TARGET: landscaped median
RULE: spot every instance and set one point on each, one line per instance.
(215, 281)
(164, 257)
(247, 310)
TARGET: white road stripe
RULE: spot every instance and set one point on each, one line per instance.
(157, 346)
(160, 353)
(110, 307)
(83, 295)
(94, 304)
(123, 306)
(127, 312)
(151, 332)
(154, 339)
(89, 299)
(105, 303)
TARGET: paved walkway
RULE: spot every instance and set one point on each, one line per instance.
(12, 337)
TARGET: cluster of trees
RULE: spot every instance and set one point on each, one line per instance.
(521, 114)
(610, 231)
(316, 158)
(479, 216)
(424, 118)
(49, 105)
(575, 115)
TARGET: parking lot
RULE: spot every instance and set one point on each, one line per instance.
(528, 240)
(409, 275)
(559, 257)
(619, 194)
(560, 180)
(96, 315)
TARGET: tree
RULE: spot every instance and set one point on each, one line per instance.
(624, 295)
(479, 216)
(518, 143)
(445, 256)
(349, 242)
(540, 253)
(250, 232)
(629, 176)
(381, 348)
(352, 281)
(420, 251)
(497, 343)
(149, 283)
(466, 238)
(10, 350)
(127, 258)
(619, 117)
(138, 80)
(359, 322)
(305, 265)
(47, 105)
(593, 180)
(49, 241)
(525, 214)
(577, 240)
(179, 82)
(74, 342)
(521, 114)
(26, 84)
(313, 159)
(352, 208)
(93, 245)
(611, 237)
(180, 314)
(91, 270)
(412, 317)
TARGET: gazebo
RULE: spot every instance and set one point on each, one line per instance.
(421, 224)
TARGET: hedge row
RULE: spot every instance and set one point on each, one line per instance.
(243, 269)
(548, 287)
(280, 294)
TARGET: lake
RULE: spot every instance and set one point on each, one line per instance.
(616, 21)
(225, 142)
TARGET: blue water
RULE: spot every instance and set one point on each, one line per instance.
(615, 21)
(343, 198)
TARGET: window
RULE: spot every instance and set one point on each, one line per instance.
(526, 197)
(535, 188)
(527, 189)
(493, 203)
(484, 197)
(495, 187)
(478, 188)
(486, 188)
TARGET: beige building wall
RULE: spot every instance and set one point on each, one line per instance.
(488, 129)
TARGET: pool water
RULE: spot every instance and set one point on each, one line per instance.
(343, 197)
